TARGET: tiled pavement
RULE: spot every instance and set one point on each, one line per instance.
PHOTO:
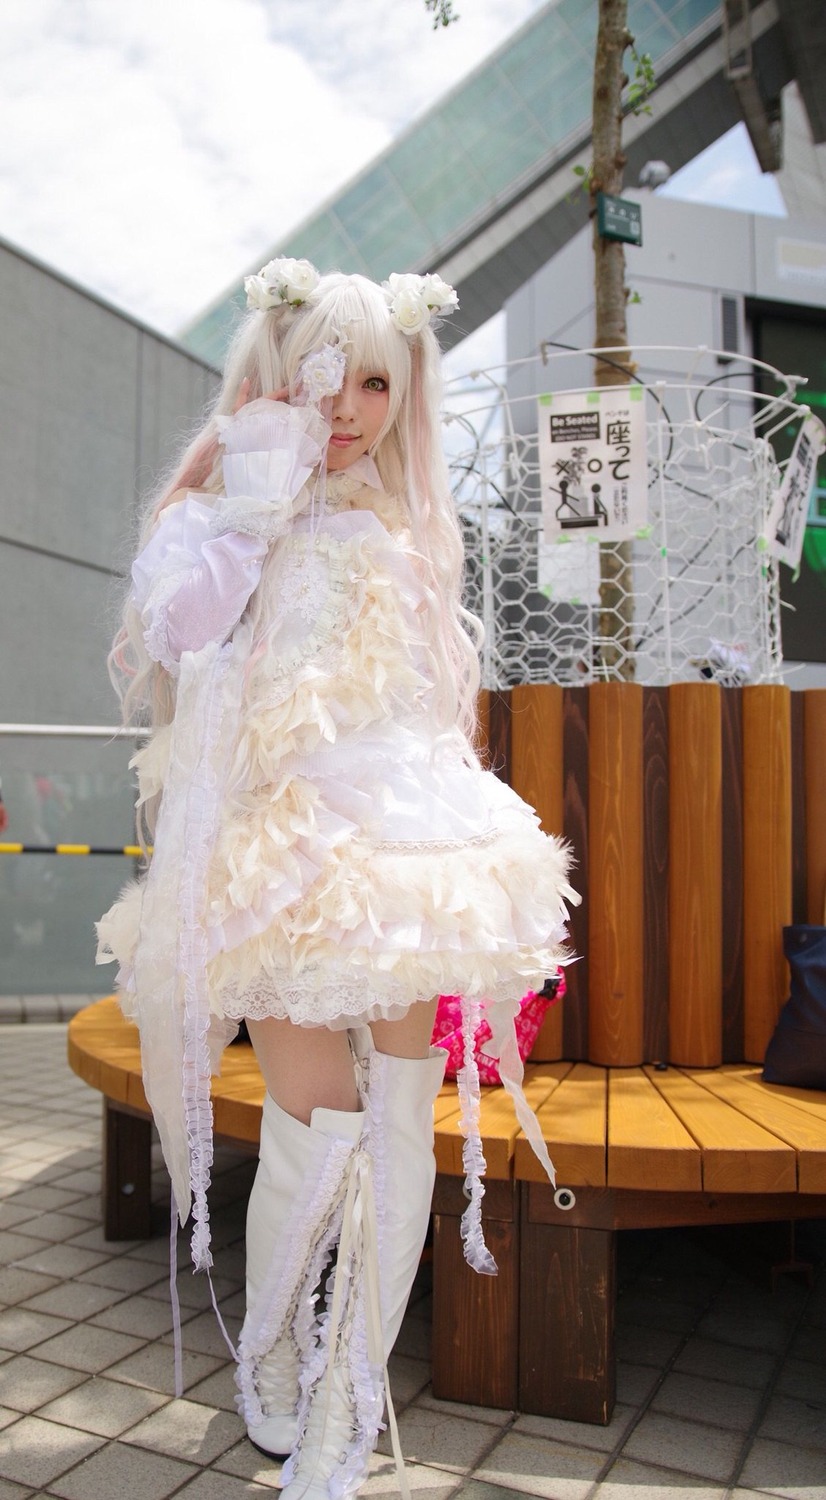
(722, 1385)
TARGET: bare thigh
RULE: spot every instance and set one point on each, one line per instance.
(305, 1068)
(409, 1037)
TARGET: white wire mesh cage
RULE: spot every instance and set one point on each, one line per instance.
(694, 593)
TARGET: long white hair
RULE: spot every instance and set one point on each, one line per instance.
(267, 350)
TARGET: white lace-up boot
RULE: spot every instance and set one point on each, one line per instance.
(343, 1386)
(292, 1222)
(402, 1092)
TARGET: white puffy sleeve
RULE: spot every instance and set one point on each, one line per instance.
(270, 451)
(194, 578)
(191, 586)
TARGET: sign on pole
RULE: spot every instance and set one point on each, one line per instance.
(790, 507)
(592, 464)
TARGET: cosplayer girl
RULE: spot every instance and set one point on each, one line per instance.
(329, 854)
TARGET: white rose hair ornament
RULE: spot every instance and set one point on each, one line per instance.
(414, 301)
(280, 282)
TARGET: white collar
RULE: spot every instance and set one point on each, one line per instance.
(364, 470)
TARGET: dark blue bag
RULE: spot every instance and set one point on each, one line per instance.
(796, 1054)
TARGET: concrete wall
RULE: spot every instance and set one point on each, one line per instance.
(91, 406)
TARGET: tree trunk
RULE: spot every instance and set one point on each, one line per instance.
(616, 621)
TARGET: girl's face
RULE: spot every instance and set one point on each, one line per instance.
(359, 413)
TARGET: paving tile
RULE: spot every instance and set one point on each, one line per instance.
(427, 1438)
(57, 1226)
(86, 1348)
(145, 1317)
(414, 1339)
(26, 1172)
(809, 1344)
(87, 1207)
(711, 1401)
(104, 1407)
(7, 1416)
(91, 1237)
(707, 1357)
(202, 1334)
(798, 1422)
(84, 1180)
(73, 1299)
(26, 1383)
(640, 1345)
(185, 1429)
(805, 1381)
(117, 1469)
(784, 1470)
(478, 1490)
(383, 1484)
(154, 1367)
(33, 1452)
(494, 1416)
(9, 1491)
(19, 1285)
(635, 1481)
(193, 1291)
(217, 1390)
(126, 1275)
(635, 1382)
(59, 1260)
(21, 1329)
(689, 1447)
(580, 1434)
(749, 1327)
(244, 1462)
(211, 1486)
(407, 1377)
(13, 1214)
(655, 1312)
(15, 1247)
(46, 1198)
(532, 1466)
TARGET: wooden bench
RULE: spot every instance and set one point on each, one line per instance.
(698, 821)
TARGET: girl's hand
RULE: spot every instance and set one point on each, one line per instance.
(244, 395)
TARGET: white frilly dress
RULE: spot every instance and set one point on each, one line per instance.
(324, 850)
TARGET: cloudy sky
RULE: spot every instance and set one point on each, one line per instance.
(151, 151)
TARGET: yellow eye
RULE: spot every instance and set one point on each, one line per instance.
(375, 383)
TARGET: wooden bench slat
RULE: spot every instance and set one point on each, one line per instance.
(498, 1123)
(648, 1147)
(801, 1131)
(767, 861)
(738, 1155)
(616, 879)
(573, 1124)
(536, 774)
(695, 874)
(815, 760)
(808, 1101)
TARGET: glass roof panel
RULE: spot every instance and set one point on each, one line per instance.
(496, 127)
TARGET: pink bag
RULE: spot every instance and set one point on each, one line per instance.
(447, 1029)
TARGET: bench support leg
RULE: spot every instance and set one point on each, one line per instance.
(127, 1175)
(567, 1364)
(475, 1318)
